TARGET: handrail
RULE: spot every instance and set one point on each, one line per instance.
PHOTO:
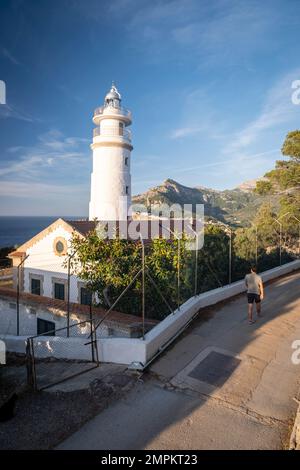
(121, 111)
(111, 132)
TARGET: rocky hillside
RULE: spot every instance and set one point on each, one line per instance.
(236, 206)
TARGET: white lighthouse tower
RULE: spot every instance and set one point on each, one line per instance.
(111, 179)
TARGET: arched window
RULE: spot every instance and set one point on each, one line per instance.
(121, 128)
(126, 161)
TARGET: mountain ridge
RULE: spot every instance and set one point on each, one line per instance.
(236, 206)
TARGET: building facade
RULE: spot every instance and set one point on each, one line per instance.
(43, 263)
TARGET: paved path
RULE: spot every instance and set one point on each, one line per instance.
(225, 384)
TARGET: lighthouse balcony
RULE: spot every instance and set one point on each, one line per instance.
(108, 133)
(110, 111)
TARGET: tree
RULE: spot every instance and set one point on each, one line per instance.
(109, 266)
(284, 180)
(286, 174)
(291, 146)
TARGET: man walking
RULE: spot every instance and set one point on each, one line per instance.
(255, 293)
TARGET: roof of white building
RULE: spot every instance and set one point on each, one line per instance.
(84, 227)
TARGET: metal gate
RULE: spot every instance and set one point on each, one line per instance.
(45, 370)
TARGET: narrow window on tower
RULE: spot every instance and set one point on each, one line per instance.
(121, 127)
(127, 190)
(126, 161)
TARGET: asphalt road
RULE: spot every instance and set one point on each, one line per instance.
(225, 384)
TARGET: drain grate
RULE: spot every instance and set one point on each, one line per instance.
(215, 368)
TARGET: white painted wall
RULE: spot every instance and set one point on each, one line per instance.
(29, 312)
(43, 261)
(28, 319)
(108, 182)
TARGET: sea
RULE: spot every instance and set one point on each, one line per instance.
(15, 230)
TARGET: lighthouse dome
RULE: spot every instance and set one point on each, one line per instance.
(113, 94)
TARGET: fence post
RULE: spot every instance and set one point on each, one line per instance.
(68, 298)
(229, 231)
(299, 240)
(70, 256)
(18, 300)
(31, 349)
(178, 273)
(143, 286)
(230, 256)
(196, 260)
(296, 218)
(18, 293)
(91, 326)
(196, 266)
(256, 246)
(29, 364)
(280, 241)
(280, 247)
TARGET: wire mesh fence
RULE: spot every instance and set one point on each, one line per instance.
(52, 357)
(163, 283)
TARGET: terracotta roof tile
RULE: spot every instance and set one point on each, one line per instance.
(122, 319)
(17, 254)
(143, 226)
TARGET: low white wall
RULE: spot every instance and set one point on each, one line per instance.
(116, 350)
(51, 346)
(122, 350)
(137, 350)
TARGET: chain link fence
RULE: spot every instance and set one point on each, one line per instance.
(45, 369)
(152, 296)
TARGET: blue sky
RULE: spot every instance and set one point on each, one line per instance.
(208, 83)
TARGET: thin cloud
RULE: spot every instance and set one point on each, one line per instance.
(198, 116)
(8, 55)
(53, 151)
(185, 132)
(7, 111)
(226, 162)
(42, 191)
(277, 109)
(66, 91)
(214, 33)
